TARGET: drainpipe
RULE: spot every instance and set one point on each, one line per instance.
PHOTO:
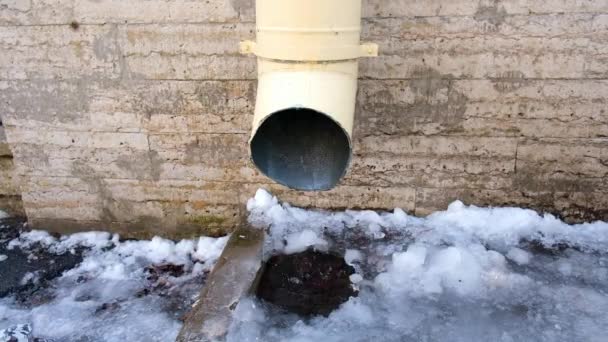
(307, 53)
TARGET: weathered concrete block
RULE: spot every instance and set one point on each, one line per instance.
(438, 146)
(66, 139)
(562, 165)
(442, 162)
(12, 205)
(32, 12)
(72, 161)
(583, 25)
(514, 106)
(59, 52)
(187, 52)
(10, 192)
(61, 197)
(418, 8)
(133, 208)
(482, 57)
(441, 172)
(129, 105)
(47, 104)
(424, 106)
(176, 208)
(507, 106)
(138, 11)
(198, 107)
(9, 182)
(219, 157)
(488, 45)
(487, 8)
(45, 12)
(65, 154)
(5, 150)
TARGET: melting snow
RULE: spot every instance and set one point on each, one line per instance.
(465, 274)
(109, 296)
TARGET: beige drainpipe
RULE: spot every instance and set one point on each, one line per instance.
(307, 54)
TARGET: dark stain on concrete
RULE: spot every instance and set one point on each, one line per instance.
(492, 13)
(161, 101)
(435, 103)
(509, 81)
(535, 179)
(224, 152)
(428, 81)
(98, 187)
(155, 165)
(140, 165)
(12, 204)
(136, 163)
(244, 8)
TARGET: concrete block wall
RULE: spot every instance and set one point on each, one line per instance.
(10, 196)
(134, 115)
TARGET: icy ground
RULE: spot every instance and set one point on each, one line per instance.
(465, 274)
(121, 291)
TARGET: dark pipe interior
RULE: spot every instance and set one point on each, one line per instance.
(302, 149)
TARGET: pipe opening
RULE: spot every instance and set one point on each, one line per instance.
(302, 149)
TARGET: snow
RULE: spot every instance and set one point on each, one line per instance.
(464, 274)
(355, 278)
(208, 250)
(352, 256)
(109, 296)
(519, 256)
(18, 333)
(3, 214)
(29, 278)
(300, 241)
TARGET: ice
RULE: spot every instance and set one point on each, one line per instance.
(17, 333)
(29, 278)
(28, 239)
(519, 256)
(351, 256)
(111, 295)
(464, 274)
(208, 250)
(355, 278)
(300, 241)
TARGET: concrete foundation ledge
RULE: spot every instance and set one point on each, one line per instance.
(233, 277)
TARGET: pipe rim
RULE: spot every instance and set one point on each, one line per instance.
(337, 177)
